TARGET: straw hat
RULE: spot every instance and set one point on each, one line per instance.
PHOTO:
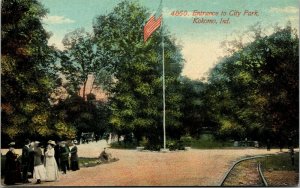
(51, 142)
(12, 144)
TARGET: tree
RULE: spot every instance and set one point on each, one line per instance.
(83, 116)
(27, 70)
(255, 88)
(80, 60)
(136, 94)
(195, 107)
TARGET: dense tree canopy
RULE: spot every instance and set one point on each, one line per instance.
(27, 76)
(136, 95)
(254, 91)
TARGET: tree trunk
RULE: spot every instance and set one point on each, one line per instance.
(92, 87)
(83, 92)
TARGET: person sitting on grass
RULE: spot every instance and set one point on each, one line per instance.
(105, 156)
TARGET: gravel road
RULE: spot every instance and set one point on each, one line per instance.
(205, 167)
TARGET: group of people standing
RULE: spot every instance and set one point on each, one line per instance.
(43, 165)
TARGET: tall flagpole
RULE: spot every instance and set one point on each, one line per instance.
(164, 86)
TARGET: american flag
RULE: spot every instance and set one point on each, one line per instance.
(152, 24)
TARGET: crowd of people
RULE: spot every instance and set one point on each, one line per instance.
(43, 163)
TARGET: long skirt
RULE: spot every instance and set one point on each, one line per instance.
(12, 177)
(51, 169)
(74, 165)
(39, 172)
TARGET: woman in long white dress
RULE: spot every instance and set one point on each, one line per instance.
(50, 163)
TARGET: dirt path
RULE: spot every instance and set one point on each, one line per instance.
(189, 168)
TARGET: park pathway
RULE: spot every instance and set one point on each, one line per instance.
(189, 168)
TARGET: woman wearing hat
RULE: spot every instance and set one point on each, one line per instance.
(74, 157)
(39, 171)
(12, 171)
(50, 162)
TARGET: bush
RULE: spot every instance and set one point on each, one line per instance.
(123, 145)
(173, 145)
(208, 141)
(144, 142)
(186, 140)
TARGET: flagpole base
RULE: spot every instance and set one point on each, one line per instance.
(164, 150)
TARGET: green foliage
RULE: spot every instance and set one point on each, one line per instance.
(195, 107)
(173, 145)
(64, 131)
(27, 76)
(136, 94)
(208, 141)
(186, 141)
(75, 115)
(253, 92)
(80, 59)
(123, 145)
(280, 162)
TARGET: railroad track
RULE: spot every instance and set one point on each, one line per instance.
(261, 181)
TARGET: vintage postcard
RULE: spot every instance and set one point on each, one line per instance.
(149, 93)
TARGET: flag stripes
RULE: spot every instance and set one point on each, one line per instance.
(151, 26)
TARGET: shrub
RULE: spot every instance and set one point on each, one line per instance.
(175, 145)
(186, 141)
(144, 142)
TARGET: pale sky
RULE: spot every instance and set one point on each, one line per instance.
(200, 42)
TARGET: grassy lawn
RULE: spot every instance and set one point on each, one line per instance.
(88, 162)
(280, 162)
(279, 171)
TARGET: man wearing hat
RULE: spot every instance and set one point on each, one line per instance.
(57, 154)
(12, 173)
(25, 161)
(64, 157)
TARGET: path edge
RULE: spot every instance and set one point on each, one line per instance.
(237, 162)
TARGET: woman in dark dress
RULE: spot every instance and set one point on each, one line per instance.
(12, 167)
(74, 157)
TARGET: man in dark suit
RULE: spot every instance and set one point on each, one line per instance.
(12, 173)
(57, 154)
(25, 161)
(64, 157)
